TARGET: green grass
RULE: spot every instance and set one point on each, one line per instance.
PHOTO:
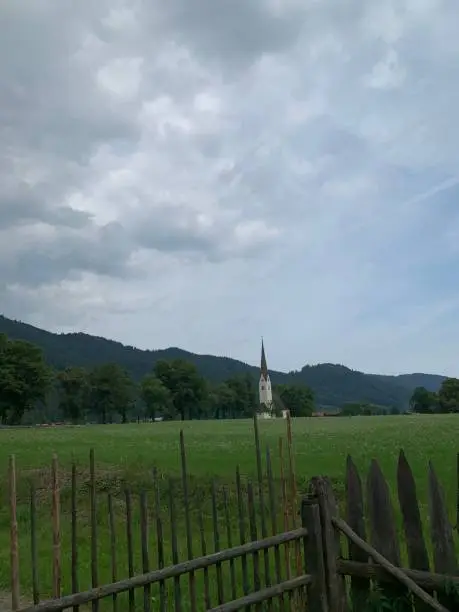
(126, 455)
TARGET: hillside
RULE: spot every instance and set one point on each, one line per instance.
(333, 385)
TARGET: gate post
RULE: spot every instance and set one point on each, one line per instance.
(336, 589)
(314, 556)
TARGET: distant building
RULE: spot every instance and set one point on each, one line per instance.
(264, 389)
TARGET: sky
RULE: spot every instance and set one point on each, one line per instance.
(201, 174)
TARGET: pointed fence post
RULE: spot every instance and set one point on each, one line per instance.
(355, 517)
(322, 489)
(314, 556)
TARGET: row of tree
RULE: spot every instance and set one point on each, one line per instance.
(30, 390)
(365, 409)
(444, 401)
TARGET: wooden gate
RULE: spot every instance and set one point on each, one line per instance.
(291, 594)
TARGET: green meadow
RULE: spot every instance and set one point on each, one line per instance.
(126, 455)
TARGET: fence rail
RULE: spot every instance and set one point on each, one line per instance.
(187, 568)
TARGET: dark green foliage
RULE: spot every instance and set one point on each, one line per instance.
(186, 386)
(332, 385)
(363, 409)
(73, 390)
(24, 379)
(111, 392)
(378, 602)
(298, 399)
(157, 398)
(444, 401)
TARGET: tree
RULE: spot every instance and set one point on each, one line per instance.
(156, 397)
(73, 391)
(187, 387)
(111, 391)
(351, 409)
(423, 401)
(24, 378)
(298, 399)
(448, 395)
(224, 402)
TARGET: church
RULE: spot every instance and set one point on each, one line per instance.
(267, 408)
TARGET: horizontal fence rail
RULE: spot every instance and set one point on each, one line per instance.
(265, 594)
(175, 571)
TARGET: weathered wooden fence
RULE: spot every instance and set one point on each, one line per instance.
(99, 535)
(395, 565)
(273, 547)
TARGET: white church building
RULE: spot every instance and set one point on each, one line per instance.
(267, 406)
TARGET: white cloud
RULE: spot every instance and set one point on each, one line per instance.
(278, 168)
(121, 77)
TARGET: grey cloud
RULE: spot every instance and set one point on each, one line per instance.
(232, 31)
(15, 212)
(48, 100)
(103, 251)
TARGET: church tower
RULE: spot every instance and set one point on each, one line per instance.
(264, 387)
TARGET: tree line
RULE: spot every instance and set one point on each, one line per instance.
(366, 409)
(32, 391)
(444, 401)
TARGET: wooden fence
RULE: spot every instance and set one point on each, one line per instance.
(377, 520)
(100, 534)
(269, 551)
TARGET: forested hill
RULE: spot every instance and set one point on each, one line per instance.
(333, 385)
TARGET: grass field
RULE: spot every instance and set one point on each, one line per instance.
(126, 454)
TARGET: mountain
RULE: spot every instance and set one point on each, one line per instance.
(431, 382)
(332, 384)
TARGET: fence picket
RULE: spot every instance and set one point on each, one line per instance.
(412, 525)
(261, 499)
(273, 512)
(189, 533)
(314, 556)
(383, 533)
(93, 510)
(33, 543)
(113, 555)
(144, 549)
(130, 548)
(229, 543)
(174, 546)
(442, 536)
(159, 541)
(56, 523)
(253, 538)
(14, 543)
(207, 600)
(218, 567)
(242, 532)
(323, 491)
(360, 587)
(74, 528)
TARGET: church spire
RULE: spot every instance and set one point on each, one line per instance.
(263, 366)
(265, 392)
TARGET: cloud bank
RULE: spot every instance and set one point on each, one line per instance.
(201, 174)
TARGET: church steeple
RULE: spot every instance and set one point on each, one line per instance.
(264, 387)
(263, 366)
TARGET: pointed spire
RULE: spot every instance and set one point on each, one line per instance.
(264, 366)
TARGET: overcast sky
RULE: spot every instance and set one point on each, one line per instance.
(199, 173)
